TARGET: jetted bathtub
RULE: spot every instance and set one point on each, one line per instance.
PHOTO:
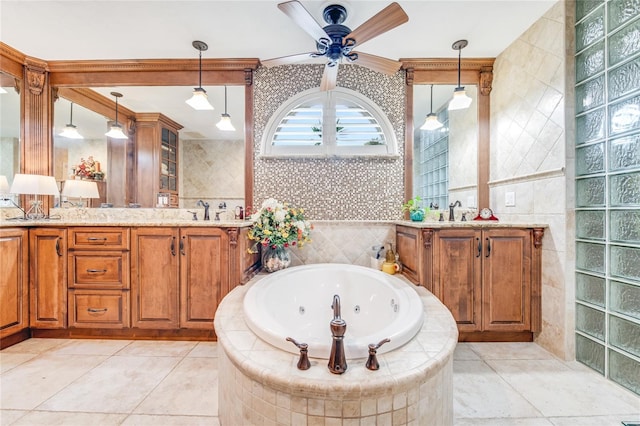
(296, 302)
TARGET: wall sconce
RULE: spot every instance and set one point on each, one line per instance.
(199, 99)
(225, 121)
(80, 189)
(116, 129)
(34, 185)
(70, 131)
(431, 122)
(460, 99)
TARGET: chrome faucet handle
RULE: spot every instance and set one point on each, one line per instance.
(303, 362)
(195, 215)
(372, 361)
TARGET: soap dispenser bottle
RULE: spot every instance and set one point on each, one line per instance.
(389, 265)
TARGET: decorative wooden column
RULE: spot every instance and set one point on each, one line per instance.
(36, 155)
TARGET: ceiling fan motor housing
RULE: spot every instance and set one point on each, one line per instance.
(335, 15)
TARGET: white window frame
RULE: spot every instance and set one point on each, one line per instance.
(328, 147)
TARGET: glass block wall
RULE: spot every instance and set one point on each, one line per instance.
(432, 183)
(608, 188)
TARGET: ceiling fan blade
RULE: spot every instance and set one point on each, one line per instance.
(296, 11)
(286, 60)
(383, 21)
(329, 78)
(378, 63)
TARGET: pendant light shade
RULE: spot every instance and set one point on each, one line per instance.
(3, 91)
(460, 99)
(198, 100)
(431, 122)
(70, 131)
(115, 132)
(225, 121)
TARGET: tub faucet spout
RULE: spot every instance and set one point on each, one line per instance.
(337, 360)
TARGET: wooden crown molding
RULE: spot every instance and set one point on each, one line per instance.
(447, 64)
(156, 65)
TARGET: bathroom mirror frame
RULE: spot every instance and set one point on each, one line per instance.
(69, 77)
(474, 71)
(11, 68)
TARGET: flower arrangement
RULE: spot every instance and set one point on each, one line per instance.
(279, 224)
(88, 169)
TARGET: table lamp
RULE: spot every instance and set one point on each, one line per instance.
(34, 185)
(80, 189)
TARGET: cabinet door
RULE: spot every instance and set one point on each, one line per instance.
(506, 284)
(14, 281)
(204, 275)
(457, 275)
(408, 249)
(48, 277)
(154, 278)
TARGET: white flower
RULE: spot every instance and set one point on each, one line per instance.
(279, 215)
(300, 225)
(271, 203)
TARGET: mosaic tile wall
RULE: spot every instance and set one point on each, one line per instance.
(331, 188)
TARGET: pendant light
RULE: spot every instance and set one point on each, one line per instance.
(225, 121)
(431, 122)
(70, 131)
(199, 99)
(460, 99)
(116, 129)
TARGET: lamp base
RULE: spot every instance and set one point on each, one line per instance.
(35, 212)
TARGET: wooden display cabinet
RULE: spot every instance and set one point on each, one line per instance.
(157, 159)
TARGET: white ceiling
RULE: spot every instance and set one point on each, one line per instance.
(148, 29)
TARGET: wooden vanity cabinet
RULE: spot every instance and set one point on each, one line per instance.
(14, 281)
(48, 277)
(98, 277)
(488, 277)
(179, 276)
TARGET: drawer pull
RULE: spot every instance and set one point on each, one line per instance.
(96, 270)
(96, 310)
(97, 238)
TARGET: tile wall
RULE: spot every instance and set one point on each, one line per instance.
(331, 188)
(529, 158)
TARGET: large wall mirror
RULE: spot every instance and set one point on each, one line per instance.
(210, 164)
(10, 127)
(445, 166)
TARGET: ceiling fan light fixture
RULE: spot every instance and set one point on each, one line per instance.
(70, 131)
(198, 100)
(115, 131)
(460, 99)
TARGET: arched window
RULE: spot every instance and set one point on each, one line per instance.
(340, 122)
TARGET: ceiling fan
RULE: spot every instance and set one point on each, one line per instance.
(336, 41)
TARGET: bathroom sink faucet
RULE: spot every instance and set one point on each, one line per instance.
(337, 360)
(451, 207)
(206, 208)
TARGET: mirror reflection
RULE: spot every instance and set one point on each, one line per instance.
(445, 159)
(210, 161)
(9, 127)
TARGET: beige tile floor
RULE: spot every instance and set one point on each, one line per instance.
(122, 382)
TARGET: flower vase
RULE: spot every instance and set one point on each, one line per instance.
(275, 259)
(417, 215)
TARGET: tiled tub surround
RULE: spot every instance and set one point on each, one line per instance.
(259, 384)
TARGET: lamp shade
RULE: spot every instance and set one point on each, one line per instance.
(71, 132)
(4, 185)
(460, 99)
(431, 122)
(225, 123)
(199, 101)
(80, 189)
(34, 184)
(115, 132)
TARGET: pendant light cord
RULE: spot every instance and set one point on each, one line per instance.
(200, 69)
(225, 99)
(432, 98)
(116, 110)
(459, 53)
(71, 115)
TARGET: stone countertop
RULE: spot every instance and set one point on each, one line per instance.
(7, 223)
(469, 224)
(425, 354)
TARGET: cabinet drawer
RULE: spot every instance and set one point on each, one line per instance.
(105, 269)
(88, 238)
(98, 309)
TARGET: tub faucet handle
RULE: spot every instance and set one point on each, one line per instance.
(303, 362)
(372, 361)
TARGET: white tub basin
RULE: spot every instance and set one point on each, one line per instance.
(296, 302)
